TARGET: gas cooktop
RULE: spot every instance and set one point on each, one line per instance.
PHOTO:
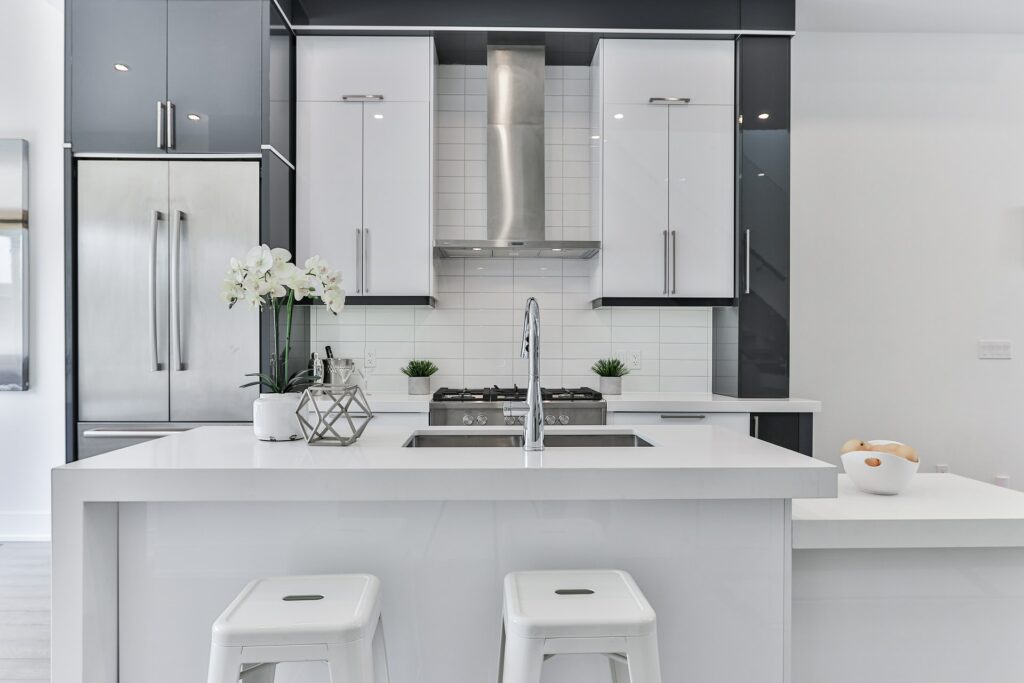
(515, 393)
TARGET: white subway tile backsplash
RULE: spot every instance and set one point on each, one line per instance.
(389, 316)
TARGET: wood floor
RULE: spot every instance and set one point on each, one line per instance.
(24, 612)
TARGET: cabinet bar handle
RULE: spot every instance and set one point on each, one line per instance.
(669, 100)
(362, 98)
(664, 246)
(366, 250)
(155, 220)
(359, 261)
(176, 289)
(675, 262)
(747, 278)
(170, 124)
(159, 125)
(100, 433)
(683, 416)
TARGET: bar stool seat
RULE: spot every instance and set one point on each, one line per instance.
(332, 618)
(548, 613)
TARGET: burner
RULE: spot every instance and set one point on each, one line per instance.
(514, 393)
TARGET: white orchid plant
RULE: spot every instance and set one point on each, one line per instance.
(267, 277)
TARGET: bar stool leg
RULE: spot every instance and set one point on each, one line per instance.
(523, 659)
(380, 654)
(351, 662)
(642, 659)
(620, 670)
(261, 673)
(225, 664)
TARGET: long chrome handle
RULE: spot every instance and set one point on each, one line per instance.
(683, 416)
(669, 100)
(100, 433)
(359, 261)
(747, 276)
(362, 98)
(155, 357)
(170, 124)
(176, 289)
(159, 125)
(675, 262)
(664, 246)
(366, 251)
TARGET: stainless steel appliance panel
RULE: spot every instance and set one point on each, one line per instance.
(95, 438)
(13, 265)
(122, 290)
(214, 215)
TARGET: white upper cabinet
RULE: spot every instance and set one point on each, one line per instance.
(363, 166)
(332, 67)
(700, 70)
(667, 168)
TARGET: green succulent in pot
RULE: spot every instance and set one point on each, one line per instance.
(611, 371)
(419, 372)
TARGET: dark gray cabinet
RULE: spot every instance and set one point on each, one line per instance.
(154, 76)
(794, 431)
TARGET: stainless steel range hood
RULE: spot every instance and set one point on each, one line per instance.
(515, 164)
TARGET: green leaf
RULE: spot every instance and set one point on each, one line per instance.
(419, 368)
(610, 367)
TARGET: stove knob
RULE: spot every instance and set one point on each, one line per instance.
(563, 419)
(481, 419)
(510, 420)
(467, 420)
(549, 419)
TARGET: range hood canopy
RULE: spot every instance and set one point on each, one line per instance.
(515, 164)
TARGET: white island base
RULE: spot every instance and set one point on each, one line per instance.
(151, 542)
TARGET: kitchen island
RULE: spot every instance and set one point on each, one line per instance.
(151, 542)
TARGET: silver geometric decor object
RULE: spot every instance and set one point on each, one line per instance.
(333, 424)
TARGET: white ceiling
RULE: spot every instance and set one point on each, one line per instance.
(911, 16)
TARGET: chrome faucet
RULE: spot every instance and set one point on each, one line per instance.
(532, 410)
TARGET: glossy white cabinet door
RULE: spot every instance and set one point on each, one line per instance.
(396, 198)
(635, 197)
(636, 70)
(329, 185)
(330, 67)
(701, 199)
(737, 422)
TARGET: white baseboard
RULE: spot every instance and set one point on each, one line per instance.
(24, 526)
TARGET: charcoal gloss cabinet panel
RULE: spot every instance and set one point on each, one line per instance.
(156, 76)
(751, 339)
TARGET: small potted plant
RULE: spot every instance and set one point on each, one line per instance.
(267, 277)
(419, 372)
(611, 371)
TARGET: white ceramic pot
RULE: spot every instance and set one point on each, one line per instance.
(611, 386)
(879, 472)
(419, 386)
(273, 417)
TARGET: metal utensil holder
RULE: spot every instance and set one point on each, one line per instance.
(333, 405)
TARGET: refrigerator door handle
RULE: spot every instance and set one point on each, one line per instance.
(359, 261)
(159, 124)
(176, 289)
(154, 346)
(170, 125)
(366, 250)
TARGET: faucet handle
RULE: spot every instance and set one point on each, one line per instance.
(514, 408)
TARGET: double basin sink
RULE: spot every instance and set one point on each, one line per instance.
(499, 440)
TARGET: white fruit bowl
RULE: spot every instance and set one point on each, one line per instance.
(888, 478)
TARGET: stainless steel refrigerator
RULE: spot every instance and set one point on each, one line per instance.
(158, 349)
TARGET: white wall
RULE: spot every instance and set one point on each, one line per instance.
(31, 107)
(908, 243)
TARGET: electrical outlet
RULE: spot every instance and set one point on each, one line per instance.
(634, 360)
(995, 349)
(371, 359)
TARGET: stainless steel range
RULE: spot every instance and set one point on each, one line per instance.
(466, 407)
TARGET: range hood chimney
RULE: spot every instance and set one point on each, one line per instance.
(515, 164)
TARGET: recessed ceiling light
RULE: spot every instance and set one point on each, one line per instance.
(763, 115)
(194, 117)
(121, 67)
(378, 116)
(619, 116)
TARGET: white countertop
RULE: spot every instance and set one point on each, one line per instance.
(936, 511)
(228, 464)
(640, 402)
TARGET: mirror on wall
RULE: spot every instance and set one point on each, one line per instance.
(13, 265)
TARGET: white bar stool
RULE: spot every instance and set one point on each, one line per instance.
(550, 613)
(332, 618)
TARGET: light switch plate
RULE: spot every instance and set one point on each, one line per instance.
(995, 349)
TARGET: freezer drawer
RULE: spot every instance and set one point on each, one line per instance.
(95, 438)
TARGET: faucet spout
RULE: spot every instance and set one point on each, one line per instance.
(533, 421)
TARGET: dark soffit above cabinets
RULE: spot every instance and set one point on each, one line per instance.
(671, 15)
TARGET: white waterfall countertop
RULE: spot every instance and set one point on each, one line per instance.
(637, 402)
(227, 463)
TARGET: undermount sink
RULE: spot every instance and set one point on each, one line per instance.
(499, 440)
